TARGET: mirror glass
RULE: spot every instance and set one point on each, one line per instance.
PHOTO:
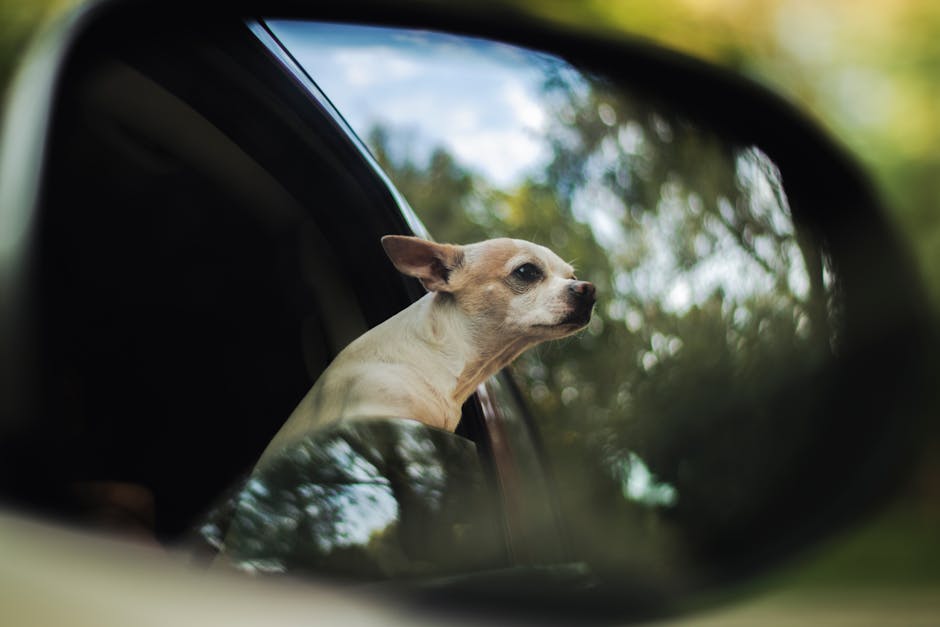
(673, 425)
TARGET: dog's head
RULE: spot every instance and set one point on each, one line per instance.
(507, 287)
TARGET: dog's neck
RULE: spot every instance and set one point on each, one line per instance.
(462, 354)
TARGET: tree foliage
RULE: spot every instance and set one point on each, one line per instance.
(711, 300)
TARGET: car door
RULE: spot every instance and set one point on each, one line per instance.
(205, 249)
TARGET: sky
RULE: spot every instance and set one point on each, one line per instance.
(478, 99)
(484, 102)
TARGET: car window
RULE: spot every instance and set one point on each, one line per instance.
(673, 424)
(379, 499)
(195, 280)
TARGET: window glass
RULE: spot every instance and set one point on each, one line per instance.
(375, 499)
(655, 420)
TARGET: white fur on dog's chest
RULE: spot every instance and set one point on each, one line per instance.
(399, 369)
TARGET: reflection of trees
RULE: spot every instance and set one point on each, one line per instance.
(708, 290)
(366, 500)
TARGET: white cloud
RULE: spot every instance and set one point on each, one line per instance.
(464, 119)
(369, 66)
(499, 154)
(528, 112)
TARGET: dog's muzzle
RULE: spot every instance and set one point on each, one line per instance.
(582, 296)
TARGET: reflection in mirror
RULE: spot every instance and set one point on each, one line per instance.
(202, 204)
(367, 500)
(679, 428)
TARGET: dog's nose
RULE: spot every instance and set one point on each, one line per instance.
(583, 290)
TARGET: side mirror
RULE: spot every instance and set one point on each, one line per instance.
(190, 219)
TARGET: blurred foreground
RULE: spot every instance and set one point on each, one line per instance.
(54, 577)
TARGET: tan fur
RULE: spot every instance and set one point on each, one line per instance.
(424, 362)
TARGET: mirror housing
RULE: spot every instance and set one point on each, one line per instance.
(874, 393)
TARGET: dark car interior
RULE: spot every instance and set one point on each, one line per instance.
(207, 246)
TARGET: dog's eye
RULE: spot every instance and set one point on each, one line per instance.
(528, 272)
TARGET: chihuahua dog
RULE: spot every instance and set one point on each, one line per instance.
(486, 304)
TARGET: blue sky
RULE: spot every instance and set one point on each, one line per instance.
(484, 102)
(479, 99)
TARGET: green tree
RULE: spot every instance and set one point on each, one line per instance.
(648, 206)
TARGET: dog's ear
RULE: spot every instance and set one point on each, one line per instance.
(428, 262)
